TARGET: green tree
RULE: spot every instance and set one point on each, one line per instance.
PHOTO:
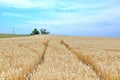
(35, 32)
(44, 31)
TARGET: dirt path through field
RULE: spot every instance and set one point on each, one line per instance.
(61, 64)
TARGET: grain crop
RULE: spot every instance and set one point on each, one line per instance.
(46, 57)
(103, 54)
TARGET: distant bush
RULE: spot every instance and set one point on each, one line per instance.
(44, 31)
(35, 32)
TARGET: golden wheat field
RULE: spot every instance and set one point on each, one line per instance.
(46, 57)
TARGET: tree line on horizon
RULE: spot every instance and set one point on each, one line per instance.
(42, 31)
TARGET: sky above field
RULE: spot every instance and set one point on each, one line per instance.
(61, 17)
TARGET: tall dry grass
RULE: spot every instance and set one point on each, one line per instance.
(103, 54)
(61, 64)
(63, 58)
(19, 56)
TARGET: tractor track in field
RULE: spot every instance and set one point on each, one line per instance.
(92, 67)
(41, 61)
(42, 58)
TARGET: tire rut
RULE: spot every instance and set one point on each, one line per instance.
(61, 64)
(92, 67)
(42, 58)
(41, 61)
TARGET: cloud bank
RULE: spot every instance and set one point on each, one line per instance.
(89, 15)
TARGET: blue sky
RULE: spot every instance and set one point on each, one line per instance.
(61, 17)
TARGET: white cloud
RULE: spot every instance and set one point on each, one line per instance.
(112, 15)
(15, 15)
(78, 6)
(52, 22)
(27, 3)
(16, 3)
(63, 21)
(47, 4)
(109, 15)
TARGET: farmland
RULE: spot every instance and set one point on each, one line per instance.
(10, 35)
(45, 57)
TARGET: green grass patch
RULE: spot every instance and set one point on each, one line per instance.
(11, 35)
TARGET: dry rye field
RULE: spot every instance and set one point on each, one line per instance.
(59, 58)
